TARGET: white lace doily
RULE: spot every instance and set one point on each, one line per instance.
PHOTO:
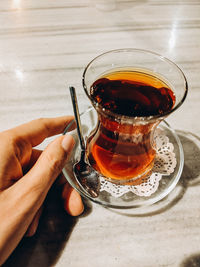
(165, 163)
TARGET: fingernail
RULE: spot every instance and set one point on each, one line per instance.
(68, 143)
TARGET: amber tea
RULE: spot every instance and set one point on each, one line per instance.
(119, 149)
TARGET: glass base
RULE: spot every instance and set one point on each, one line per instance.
(128, 200)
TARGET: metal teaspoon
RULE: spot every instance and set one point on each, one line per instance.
(86, 176)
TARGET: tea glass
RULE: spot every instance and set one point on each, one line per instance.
(122, 148)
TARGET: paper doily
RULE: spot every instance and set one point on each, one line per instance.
(164, 164)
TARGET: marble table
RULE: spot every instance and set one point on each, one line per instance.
(44, 47)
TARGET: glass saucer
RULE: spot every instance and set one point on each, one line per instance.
(128, 200)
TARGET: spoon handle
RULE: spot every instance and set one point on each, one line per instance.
(77, 116)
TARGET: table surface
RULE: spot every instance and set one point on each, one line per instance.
(44, 47)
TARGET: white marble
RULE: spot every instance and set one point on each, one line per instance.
(44, 47)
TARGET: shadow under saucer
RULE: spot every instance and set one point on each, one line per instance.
(190, 177)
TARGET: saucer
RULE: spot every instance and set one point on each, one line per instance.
(129, 199)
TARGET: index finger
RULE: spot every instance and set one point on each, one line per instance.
(37, 130)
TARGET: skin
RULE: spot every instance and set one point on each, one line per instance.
(27, 174)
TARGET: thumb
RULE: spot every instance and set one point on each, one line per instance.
(51, 161)
(48, 166)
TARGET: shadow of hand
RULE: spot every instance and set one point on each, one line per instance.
(45, 247)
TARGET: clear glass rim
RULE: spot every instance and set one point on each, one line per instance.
(142, 118)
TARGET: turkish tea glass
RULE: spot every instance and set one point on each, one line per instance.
(132, 91)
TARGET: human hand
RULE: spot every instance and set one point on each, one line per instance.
(27, 174)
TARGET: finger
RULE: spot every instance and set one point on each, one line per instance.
(34, 224)
(33, 159)
(34, 132)
(11, 169)
(17, 171)
(34, 156)
(39, 179)
(72, 200)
